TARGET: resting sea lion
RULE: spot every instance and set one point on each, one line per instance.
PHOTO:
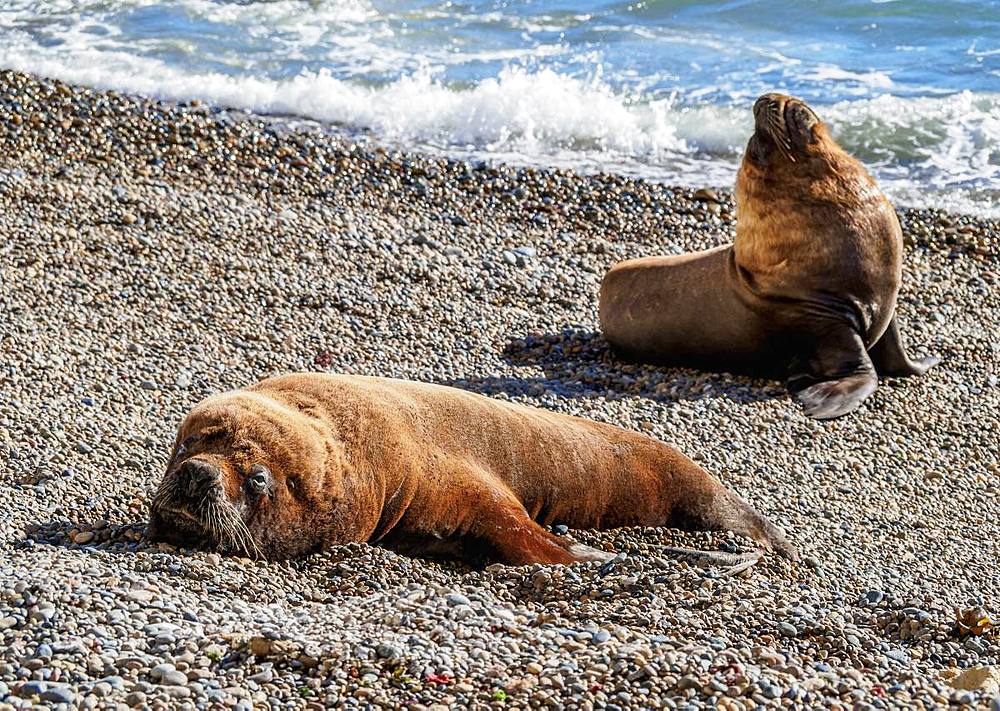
(301, 462)
(808, 289)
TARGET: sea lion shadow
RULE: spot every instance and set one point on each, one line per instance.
(580, 364)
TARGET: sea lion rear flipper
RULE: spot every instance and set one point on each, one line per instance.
(527, 542)
(835, 377)
(515, 539)
(704, 504)
(889, 355)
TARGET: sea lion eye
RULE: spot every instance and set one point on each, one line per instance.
(259, 479)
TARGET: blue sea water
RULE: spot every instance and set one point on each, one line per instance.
(660, 89)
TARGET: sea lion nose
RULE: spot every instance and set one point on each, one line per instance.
(198, 475)
(766, 104)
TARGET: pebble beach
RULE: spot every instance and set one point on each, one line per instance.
(154, 253)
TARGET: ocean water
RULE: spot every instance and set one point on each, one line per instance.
(660, 89)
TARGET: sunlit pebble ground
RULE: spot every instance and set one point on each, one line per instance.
(151, 255)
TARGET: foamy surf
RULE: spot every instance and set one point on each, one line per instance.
(554, 100)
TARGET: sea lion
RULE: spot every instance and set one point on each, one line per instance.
(301, 462)
(807, 291)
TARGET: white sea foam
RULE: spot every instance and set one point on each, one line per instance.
(862, 81)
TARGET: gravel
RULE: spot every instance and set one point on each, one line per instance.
(156, 253)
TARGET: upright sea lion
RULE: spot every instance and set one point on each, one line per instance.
(301, 462)
(808, 289)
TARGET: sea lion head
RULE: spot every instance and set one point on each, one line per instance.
(251, 476)
(786, 132)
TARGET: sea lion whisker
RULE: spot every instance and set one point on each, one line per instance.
(237, 533)
(241, 539)
(165, 492)
(207, 514)
(248, 538)
(777, 128)
(223, 524)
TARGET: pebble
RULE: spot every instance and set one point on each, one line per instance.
(58, 695)
(135, 698)
(787, 629)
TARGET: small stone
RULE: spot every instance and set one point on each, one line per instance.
(59, 695)
(177, 691)
(32, 688)
(101, 689)
(159, 670)
(389, 651)
(873, 597)
(173, 678)
(140, 595)
(898, 655)
(787, 629)
(115, 682)
(263, 677)
(135, 698)
(455, 598)
(83, 537)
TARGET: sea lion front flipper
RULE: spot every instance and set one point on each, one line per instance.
(835, 378)
(889, 355)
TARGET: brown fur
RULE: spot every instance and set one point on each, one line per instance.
(807, 289)
(417, 466)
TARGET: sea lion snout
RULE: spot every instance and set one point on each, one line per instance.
(785, 121)
(197, 477)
